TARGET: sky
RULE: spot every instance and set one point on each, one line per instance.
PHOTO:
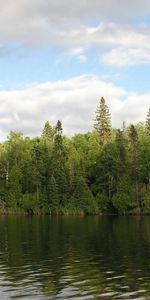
(59, 57)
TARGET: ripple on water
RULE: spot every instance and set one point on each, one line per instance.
(78, 259)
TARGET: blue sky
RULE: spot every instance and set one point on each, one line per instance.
(57, 58)
(24, 67)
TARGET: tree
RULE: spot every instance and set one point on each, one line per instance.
(58, 174)
(123, 198)
(58, 164)
(73, 164)
(103, 122)
(38, 167)
(148, 123)
(134, 148)
(14, 187)
(53, 200)
(82, 196)
(59, 128)
(105, 173)
(58, 154)
(144, 171)
(121, 158)
(48, 132)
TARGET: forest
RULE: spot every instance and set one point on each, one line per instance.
(105, 171)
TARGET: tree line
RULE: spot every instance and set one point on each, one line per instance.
(106, 170)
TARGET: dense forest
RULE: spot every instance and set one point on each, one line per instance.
(103, 171)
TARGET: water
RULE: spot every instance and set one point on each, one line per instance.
(76, 258)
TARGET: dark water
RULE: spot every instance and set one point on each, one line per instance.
(74, 258)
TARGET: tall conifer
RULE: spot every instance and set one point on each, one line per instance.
(148, 123)
(48, 131)
(103, 122)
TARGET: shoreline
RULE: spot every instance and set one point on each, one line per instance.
(77, 214)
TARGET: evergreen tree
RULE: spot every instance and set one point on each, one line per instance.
(38, 168)
(103, 122)
(53, 199)
(58, 154)
(105, 172)
(14, 188)
(144, 164)
(148, 123)
(134, 148)
(48, 132)
(82, 196)
(121, 145)
(59, 164)
(123, 198)
(73, 164)
(59, 128)
(56, 174)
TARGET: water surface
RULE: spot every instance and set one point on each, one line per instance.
(44, 257)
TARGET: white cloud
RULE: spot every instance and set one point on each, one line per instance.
(120, 45)
(66, 24)
(73, 101)
(109, 35)
(122, 57)
(76, 52)
(40, 14)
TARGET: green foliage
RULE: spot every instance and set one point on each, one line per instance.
(146, 199)
(82, 196)
(58, 165)
(14, 187)
(53, 196)
(123, 199)
(133, 135)
(103, 171)
(102, 202)
(30, 203)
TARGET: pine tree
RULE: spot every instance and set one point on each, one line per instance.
(148, 123)
(14, 187)
(134, 148)
(59, 128)
(133, 138)
(58, 164)
(103, 122)
(58, 150)
(48, 132)
(53, 200)
(121, 144)
(82, 196)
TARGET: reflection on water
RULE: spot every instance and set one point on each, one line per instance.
(74, 258)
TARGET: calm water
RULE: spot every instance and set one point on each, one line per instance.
(74, 258)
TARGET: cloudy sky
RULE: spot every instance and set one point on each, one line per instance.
(58, 57)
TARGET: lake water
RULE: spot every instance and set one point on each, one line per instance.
(44, 257)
